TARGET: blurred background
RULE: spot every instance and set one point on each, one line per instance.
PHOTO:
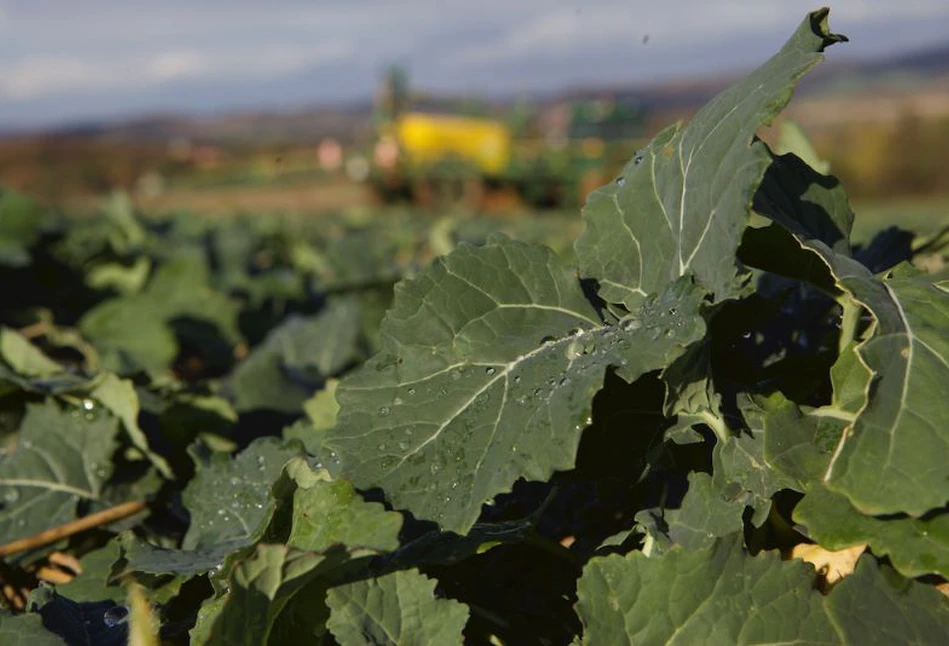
(311, 106)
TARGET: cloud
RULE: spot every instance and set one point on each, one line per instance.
(45, 75)
(54, 51)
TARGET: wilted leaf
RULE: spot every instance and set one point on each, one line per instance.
(832, 566)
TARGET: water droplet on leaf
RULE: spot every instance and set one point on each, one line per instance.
(383, 411)
(115, 616)
(490, 371)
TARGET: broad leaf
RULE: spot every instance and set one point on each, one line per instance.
(23, 357)
(397, 609)
(491, 358)
(119, 396)
(26, 630)
(230, 498)
(892, 459)
(682, 203)
(721, 595)
(914, 546)
(333, 513)
(704, 515)
(296, 358)
(260, 587)
(60, 458)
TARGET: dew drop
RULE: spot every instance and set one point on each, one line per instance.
(670, 332)
(88, 404)
(235, 481)
(383, 411)
(565, 381)
(517, 379)
(547, 339)
(620, 180)
(654, 333)
(490, 371)
(381, 446)
(631, 324)
(403, 446)
(537, 392)
(746, 334)
(115, 616)
(434, 468)
(387, 462)
(638, 159)
(411, 391)
(11, 495)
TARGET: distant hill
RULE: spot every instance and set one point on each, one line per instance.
(907, 72)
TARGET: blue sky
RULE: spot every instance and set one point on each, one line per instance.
(68, 60)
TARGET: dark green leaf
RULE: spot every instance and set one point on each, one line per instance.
(491, 358)
(397, 609)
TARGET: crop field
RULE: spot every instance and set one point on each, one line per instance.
(710, 408)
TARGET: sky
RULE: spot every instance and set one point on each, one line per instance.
(67, 61)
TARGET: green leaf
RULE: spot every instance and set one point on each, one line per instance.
(97, 581)
(891, 459)
(704, 515)
(399, 608)
(119, 396)
(491, 358)
(22, 221)
(138, 331)
(850, 379)
(283, 371)
(798, 445)
(792, 139)
(151, 559)
(721, 595)
(260, 587)
(914, 546)
(123, 279)
(321, 413)
(682, 203)
(23, 357)
(807, 203)
(332, 513)
(739, 463)
(26, 630)
(229, 499)
(60, 457)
